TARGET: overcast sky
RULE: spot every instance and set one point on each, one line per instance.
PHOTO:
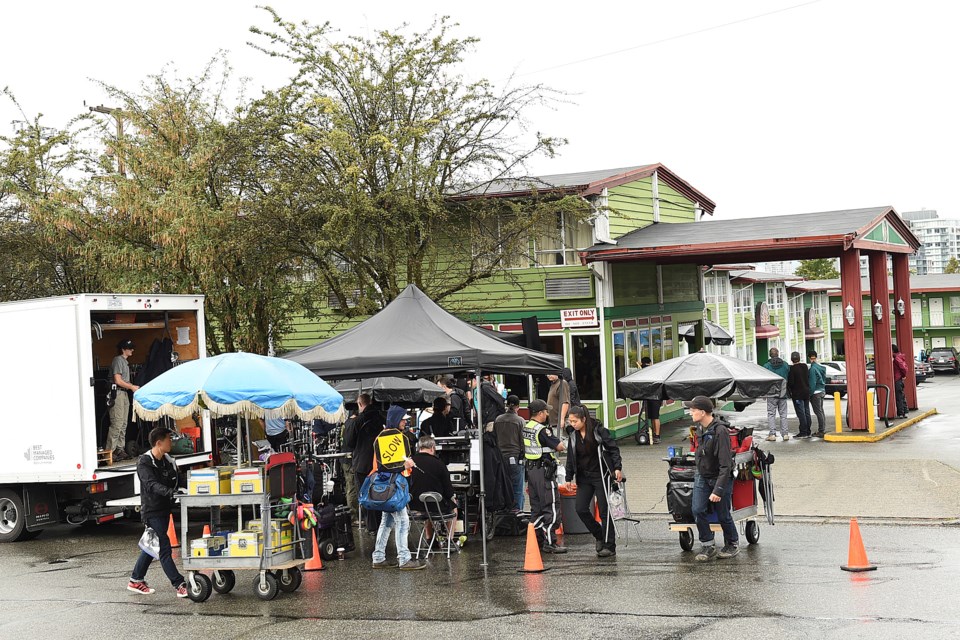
(766, 106)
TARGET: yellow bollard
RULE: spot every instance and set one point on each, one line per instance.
(871, 414)
(837, 414)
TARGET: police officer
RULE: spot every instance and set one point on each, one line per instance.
(539, 447)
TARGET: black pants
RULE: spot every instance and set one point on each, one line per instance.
(590, 485)
(544, 502)
(901, 397)
(372, 522)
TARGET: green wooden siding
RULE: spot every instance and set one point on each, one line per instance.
(631, 206)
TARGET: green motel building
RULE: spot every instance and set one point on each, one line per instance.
(934, 307)
(601, 317)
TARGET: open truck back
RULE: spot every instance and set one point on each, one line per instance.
(57, 354)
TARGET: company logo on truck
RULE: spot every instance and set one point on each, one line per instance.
(38, 455)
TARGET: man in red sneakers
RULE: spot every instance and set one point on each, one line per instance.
(158, 489)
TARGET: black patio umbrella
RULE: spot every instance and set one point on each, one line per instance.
(712, 333)
(701, 374)
(391, 389)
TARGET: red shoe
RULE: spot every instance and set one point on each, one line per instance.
(182, 591)
(139, 587)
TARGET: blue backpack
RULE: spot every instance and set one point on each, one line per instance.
(385, 491)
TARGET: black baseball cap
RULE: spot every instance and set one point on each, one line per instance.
(513, 401)
(537, 406)
(125, 344)
(700, 402)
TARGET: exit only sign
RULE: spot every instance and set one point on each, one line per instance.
(572, 318)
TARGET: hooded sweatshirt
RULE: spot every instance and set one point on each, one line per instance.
(779, 367)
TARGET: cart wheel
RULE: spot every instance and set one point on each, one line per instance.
(328, 550)
(201, 590)
(686, 540)
(290, 579)
(271, 587)
(752, 531)
(224, 581)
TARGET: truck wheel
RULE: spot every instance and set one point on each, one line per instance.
(686, 540)
(13, 521)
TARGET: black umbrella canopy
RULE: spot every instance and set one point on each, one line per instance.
(390, 389)
(712, 333)
(413, 335)
(702, 374)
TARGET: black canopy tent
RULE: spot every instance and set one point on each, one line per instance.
(390, 389)
(413, 335)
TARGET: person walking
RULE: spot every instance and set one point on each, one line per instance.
(713, 481)
(818, 388)
(159, 480)
(508, 429)
(592, 458)
(777, 406)
(899, 375)
(539, 446)
(798, 386)
(652, 407)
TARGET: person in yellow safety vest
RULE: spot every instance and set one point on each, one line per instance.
(539, 447)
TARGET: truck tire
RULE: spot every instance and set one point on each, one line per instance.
(13, 520)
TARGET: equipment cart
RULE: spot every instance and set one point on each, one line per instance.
(744, 502)
(278, 564)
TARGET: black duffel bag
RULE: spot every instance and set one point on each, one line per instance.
(681, 474)
(680, 501)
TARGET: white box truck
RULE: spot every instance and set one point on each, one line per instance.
(57, 353)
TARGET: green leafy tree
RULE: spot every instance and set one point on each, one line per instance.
(819, 269)
(41, 188)
(372, 155)
(952, 266)
(178, 217)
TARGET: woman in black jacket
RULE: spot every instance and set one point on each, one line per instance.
(592, 457)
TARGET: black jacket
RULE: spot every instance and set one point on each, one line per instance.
(714, 458)
(430, 474)
(798, 382)
(608, 449)
(459, 408)
(368, 426)
(159, 480)
(491, 403)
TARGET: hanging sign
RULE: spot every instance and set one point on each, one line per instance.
(572, 318)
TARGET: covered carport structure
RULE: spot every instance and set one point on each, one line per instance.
(877, 232)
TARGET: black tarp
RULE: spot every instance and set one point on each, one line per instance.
(701, 374)
(390, 389)
(712, 333)
(415, 336)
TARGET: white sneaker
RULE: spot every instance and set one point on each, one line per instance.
(786, 437)
(782, 438)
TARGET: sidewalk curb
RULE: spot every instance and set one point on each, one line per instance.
(877, 437)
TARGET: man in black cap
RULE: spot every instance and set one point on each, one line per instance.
(539, 447)
(713, 481)
(508, 428)
(120, 411)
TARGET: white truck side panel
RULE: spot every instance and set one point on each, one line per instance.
(48, 400)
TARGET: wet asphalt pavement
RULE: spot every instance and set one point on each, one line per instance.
(70, 582)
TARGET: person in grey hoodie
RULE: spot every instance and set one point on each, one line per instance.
(777, 406)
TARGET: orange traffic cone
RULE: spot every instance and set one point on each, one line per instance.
(206, 531)
(172, 534)
(532, 563)
(596, 511)
(314, 563)
(559, 530)
(857, 556)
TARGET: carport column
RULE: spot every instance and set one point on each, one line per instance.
(882, 353)
(853, 345)
(901, 291)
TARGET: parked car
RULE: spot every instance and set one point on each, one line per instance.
(837, 377)
(921, 369)
(944, 359)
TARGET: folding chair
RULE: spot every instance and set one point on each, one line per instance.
(442, 535)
